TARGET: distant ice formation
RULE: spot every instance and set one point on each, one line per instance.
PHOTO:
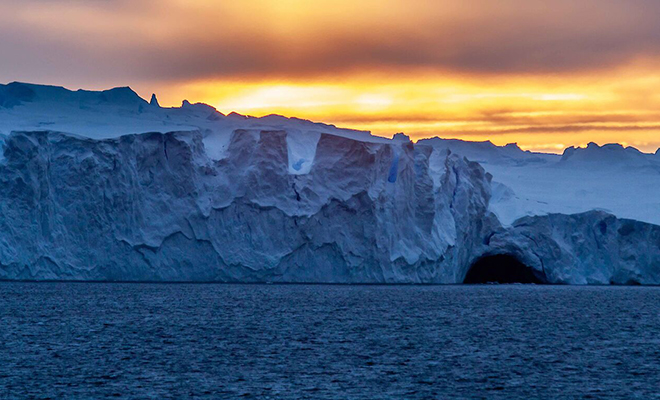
(107, 186)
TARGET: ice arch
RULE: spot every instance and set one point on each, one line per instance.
(501, 268)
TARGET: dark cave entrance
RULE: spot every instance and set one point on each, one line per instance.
(500, 268)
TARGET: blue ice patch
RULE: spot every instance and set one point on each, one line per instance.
(298, 164)
(393, 169)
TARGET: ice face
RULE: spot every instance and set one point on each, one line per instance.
(157, 207)
(622, 181)
(105, 186)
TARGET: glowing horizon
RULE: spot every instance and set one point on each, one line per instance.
(541, 116)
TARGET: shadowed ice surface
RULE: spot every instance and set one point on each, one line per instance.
(88, 340)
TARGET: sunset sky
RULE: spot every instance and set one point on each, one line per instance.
(544, 74)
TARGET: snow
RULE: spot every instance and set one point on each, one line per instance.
(106, 186)
(627, 192)
(301, 150)
(622, 181)
(216, 143)
(116, 112)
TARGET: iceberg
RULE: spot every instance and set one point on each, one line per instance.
(107, 186)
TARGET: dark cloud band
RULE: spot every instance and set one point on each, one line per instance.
(482, 37)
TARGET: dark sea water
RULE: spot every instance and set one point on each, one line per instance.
(94, 340)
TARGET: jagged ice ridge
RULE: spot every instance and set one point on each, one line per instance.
(107, 186)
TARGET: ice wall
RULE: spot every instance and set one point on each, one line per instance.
(157, 207)
(106, 186)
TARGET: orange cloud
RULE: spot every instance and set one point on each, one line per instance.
(540, 73)
(540, 114)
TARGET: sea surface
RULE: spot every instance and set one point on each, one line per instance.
(99, 340)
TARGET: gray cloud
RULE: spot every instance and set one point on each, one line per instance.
(141, 41)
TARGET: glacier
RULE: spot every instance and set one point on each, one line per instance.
(106, 186)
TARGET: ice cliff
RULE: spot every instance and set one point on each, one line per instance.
(106, 186)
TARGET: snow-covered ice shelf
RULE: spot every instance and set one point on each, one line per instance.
(106, 186)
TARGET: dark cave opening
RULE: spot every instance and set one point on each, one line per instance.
(500, 268)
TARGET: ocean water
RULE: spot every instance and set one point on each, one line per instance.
(95, 340)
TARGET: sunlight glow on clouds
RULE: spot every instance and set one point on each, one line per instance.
(543, 74)
(540, 114)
